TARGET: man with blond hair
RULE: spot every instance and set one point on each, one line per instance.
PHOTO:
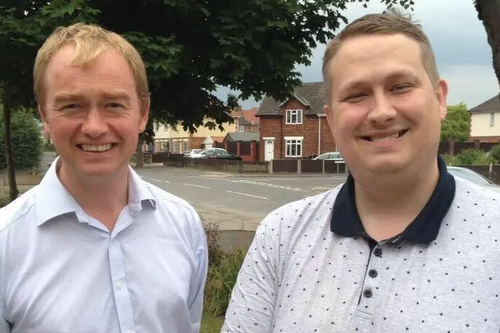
(93, 248)
(401, 246)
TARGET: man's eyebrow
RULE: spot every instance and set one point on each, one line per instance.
(116, 94)
(401, 74)
(67, 96)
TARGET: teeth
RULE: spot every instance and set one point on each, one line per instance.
(393, 136)
(98, 148)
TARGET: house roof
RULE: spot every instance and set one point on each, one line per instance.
(311, 94)
(242, 136)
(491, 105)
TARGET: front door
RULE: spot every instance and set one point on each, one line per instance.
(269, 150)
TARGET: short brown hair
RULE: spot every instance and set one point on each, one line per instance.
(372, 24)
(91, 41)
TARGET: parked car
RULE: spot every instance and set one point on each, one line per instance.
(331, 156)
(217, 153)
(193, 152)
(474, 177)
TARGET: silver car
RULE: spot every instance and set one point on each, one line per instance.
(474, 177)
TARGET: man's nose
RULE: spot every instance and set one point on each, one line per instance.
(94, 124)
(382, 110)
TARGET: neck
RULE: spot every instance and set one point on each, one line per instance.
(102, 197)
(387, 205)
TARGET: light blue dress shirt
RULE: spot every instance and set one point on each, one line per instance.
(63, 271)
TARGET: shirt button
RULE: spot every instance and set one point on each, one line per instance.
(378, 252)
(119, 285)
(368, 293)
(373, 273)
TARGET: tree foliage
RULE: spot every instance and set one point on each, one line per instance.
(456, 125)
(26, 140)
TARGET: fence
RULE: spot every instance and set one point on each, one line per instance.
(454, 148)
(178, 160)
(307, 166)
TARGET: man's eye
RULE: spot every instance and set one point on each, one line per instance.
(115, 105)
(402, 88)
(71, 106)
(355, 98)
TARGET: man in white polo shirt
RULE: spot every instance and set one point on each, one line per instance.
(401, 246)
(94, 248)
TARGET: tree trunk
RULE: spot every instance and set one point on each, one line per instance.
(489, 13)
(14, 192)
(139, 158)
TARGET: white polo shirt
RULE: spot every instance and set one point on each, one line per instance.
(442, 274)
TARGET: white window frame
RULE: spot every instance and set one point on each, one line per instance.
(292, 142)
(294, 117)
(241, 128)
(492, 119)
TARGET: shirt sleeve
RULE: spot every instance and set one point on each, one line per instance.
(253, 299)
(199, 279)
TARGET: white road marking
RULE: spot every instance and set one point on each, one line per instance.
(199, 186)
(248, 195)
(159, 180)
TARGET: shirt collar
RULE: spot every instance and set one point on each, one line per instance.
(345, 220)
(54, 200)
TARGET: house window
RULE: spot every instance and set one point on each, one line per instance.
(492, 119)
(241, 128)
(294, 116)
(186, 146)
(157, 126)
(293, 146)
(175, 146)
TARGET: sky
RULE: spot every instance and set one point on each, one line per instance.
(463, 55)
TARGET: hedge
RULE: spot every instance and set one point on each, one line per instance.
(26, 140)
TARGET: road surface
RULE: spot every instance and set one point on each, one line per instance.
(236, 202)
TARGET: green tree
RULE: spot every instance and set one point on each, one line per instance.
(26, 140)
(190, 48)
(456, 125)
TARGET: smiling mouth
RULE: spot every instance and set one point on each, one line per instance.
(396, 135)
(96, 148)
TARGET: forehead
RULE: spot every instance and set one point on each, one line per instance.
(369, 56)
(107, 69)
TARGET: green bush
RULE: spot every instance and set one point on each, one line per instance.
(449, 159)
(4, 200)
(26, 140)
(473, 157)
(223, 270)
(495, 153)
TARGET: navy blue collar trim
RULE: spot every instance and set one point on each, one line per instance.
(424, 229)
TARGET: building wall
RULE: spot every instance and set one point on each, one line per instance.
(480, 125)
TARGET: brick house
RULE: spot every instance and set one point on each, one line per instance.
(297, 127)
(247, 121)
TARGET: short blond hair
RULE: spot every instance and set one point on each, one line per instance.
(380, 24)
(90, 41)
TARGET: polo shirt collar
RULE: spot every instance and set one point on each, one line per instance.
(53, 200)
(345, 219)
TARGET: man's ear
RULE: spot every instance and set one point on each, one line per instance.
(43, 117)
(144, 114)
(442, 97)
(329, 116)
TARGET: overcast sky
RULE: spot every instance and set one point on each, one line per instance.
(459, 41)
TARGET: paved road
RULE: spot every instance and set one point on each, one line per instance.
(236, 202)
